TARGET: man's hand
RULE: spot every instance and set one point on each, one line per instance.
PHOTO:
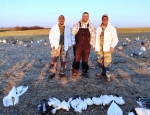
(53, 47)
(69, 48)
(111, 49)
(94, 49)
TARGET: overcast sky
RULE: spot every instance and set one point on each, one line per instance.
(122, 13)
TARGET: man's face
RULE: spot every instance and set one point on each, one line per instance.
(61, 21)
(85, 17)
(105, 20)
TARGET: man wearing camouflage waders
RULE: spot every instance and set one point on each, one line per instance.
(84, 37)
(106, 40)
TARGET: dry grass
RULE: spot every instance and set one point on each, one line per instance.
(25, 33)
(46, 32)
(133, 30)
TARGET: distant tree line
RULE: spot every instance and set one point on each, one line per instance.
(18, 28)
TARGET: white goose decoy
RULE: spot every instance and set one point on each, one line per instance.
(139, 111)
(4, 41)
(20, 42)
(143, 49)
(114, 109)
(137, 38)
(124, 44)
(0, 41)
(32, 41)
(127, 39)
(120, 48)
(97, 100)
(11, 99)
(119, 100)
(138, 53)
(89, 101)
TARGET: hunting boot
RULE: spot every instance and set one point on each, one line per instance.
(85, 73)
(52, 71)
(62, 72)
(75, 72)
(100, 72)
(108, 76)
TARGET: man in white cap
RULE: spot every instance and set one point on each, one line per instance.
(61, 41)
(106, 40)
(84, 37)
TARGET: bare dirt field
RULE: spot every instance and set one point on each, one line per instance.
(20, 65)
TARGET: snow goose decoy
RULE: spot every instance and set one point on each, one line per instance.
(139, 111)
(143, 49)
(120, 48)
(139, 52)
(114, 109)
(32, 41)
(137, 38)
(144, 102)
(4, 42)
(46, 43)
(119, 100)
(20, 42)
(124, 44)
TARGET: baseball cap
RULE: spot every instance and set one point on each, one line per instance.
(61, 16)
(105, 15)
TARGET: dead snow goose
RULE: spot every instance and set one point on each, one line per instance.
(139, 111)
(114, 109)
(96, 100)
(89, 101)
(11, 99)
(119, 100)
(144, 102)
(105, 99)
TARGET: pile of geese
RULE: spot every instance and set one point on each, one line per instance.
(80, 105)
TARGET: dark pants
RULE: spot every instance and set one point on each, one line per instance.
(81, 52)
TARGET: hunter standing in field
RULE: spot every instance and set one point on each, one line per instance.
(61, 41)
(106, 40)
(84, 37)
